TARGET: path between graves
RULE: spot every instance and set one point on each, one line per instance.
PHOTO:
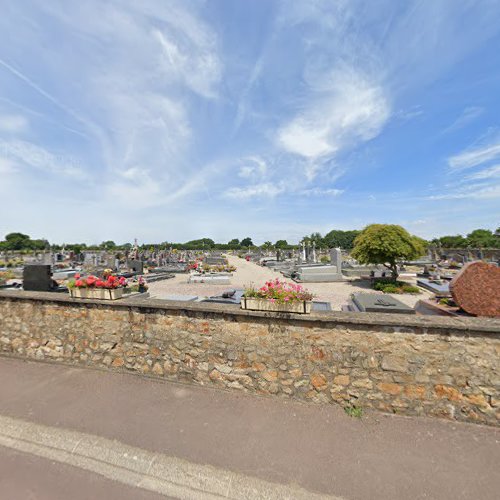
(195, 442)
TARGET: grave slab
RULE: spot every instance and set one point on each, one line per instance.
(371, 302)
(439, 287)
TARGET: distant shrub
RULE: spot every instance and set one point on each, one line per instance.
(324, 259)
(410, 289)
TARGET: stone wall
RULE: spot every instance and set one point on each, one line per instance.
(407, 365)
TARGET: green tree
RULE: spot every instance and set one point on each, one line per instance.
(481, 238)
(234, 244)
(203, 243)
(341, 239)
(77, 248)
(281, 244)
(108, 245)
(457, 241)
(17, 241)
(386, 244)
(267, 245)
(40, 244)
(247, 242)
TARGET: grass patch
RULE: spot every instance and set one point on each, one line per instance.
(354, 411)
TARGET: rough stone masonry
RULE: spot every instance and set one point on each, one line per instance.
(443, 367)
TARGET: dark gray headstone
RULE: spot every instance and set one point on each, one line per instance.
(136, 265)
(371, 302)
(37, 278)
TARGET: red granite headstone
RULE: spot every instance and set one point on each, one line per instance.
(476, 289)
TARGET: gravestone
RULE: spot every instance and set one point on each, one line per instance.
(37, 278)
(317, 274)
(371, 302)
(136, 266)
(336, 258)
(476, 289)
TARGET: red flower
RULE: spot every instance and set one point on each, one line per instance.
(99, 283)
(111, 278)
(77, 276)
(91, 280)
(79, 283)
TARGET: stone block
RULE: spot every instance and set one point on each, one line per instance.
(319, 382)
(394, 363)
(390, 388)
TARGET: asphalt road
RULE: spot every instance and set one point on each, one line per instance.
(275, 448)
(27, 476)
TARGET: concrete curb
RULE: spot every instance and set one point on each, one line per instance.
(140, 468)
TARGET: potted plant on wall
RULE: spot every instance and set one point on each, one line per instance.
(277, 296)
(109, 287)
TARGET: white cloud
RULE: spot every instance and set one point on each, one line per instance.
(28, 154)
(13, 123)
(487, 173)
(126, 76)
(468, 115)
(321, 192)
(354, 110)
(264, 190)
(252, 167)
(475, 156)
(196, 65)
(474, 192)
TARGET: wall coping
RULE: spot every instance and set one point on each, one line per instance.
(323, 319)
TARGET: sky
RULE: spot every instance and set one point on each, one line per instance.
(167, 120)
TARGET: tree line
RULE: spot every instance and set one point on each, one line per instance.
(479, 238)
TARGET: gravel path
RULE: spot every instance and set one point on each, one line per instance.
(248, 272)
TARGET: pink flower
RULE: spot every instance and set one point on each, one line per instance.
(272, 300)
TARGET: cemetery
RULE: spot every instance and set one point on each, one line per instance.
(250, 249)
(291, 300)
(333, 276)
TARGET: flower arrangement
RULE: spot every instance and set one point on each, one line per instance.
(218, 268)
(5, 275)
(200, 267)
(107, 282)
(279, 292)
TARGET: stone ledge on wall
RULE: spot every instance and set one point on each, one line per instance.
(465, 324)
(443, 367)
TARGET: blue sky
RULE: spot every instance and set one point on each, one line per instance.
(173, 120)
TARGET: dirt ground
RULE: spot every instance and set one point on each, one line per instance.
(248, 272)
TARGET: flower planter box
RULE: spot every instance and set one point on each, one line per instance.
(255, 304)
(96, 293)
